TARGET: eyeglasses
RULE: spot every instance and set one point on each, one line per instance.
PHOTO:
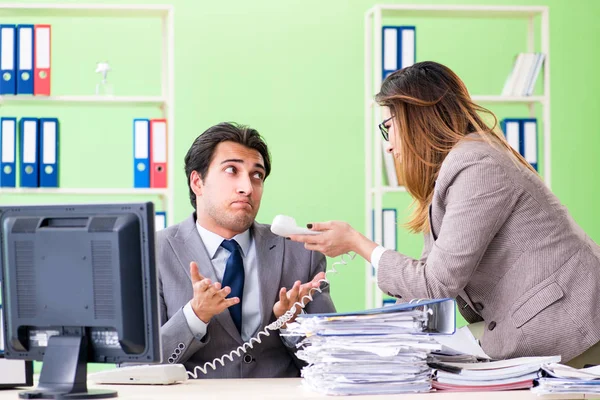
(384, 129)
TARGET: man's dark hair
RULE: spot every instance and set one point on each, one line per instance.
(200, 155)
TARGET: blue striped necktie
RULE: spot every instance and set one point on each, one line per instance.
(234, 278)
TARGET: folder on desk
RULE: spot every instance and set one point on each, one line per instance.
(160, 220)
(141, 153)
(42, 60)
(24, 59)
(158, 153)
(29, 139)
(441, 315)
(8, 152)
(49, 150)
(388, 302)
(8, 81)
(398, 48)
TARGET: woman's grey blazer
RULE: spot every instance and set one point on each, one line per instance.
(503, 245)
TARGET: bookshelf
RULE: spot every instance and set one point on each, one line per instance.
(93, 100)
(374, 187)
(165, 101)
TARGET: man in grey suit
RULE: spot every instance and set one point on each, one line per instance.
(223, 276)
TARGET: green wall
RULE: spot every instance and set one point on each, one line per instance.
(294, 71)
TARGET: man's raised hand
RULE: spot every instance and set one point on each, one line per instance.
(209, 298)
(287, 298)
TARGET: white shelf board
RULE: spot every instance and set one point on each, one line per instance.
(84, 10)
(87, 191)
(508, 99)
(106, 100)
(453, 11)
(390, 189)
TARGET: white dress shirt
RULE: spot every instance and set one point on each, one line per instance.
(376, 256)
(251, 317)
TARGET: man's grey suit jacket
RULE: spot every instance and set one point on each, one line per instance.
(280, 263)
(505, 247)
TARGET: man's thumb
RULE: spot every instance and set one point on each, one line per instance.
(194, 273)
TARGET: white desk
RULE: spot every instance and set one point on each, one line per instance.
(270, 389)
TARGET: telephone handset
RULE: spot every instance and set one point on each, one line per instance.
(283, 226)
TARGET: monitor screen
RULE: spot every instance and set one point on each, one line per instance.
(79, 285)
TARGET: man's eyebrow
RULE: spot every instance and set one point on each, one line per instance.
(240, 161)
(235, 160)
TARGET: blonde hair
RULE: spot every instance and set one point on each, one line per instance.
(432, 112)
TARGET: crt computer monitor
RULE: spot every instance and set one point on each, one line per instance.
(79, 285)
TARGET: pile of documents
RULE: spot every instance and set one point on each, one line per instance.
(573, 383)
(378, 351)
(514, 373)
(461, 346)
(463, 366)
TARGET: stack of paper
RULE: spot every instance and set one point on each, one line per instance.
(459, 347)
(376, 351)
(562, 379)
(514, 373)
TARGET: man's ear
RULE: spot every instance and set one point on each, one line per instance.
(196, 183)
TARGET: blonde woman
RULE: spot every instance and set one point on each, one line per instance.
(496, 238)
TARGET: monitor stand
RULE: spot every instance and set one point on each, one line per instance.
(64, 371)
